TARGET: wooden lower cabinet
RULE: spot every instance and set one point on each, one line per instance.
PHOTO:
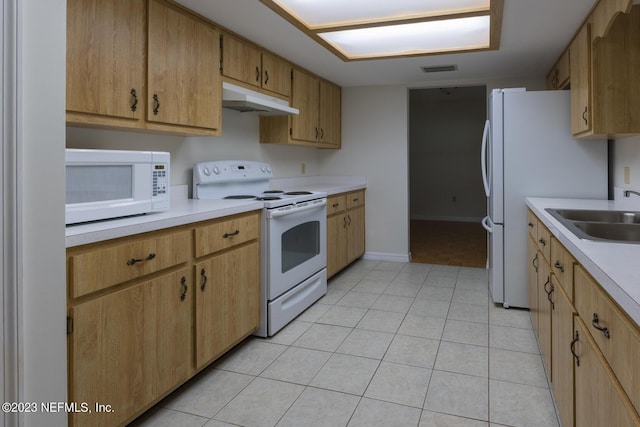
(227, 301)
(599, 398)
(138, 333)
(129, 347)
(562, 332)
(532, 281)
(545, 288)
(345, 230)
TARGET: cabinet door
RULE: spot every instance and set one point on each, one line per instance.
(276, 74)
(562, 334)
(599, 399)
(336, 243)
(227, 301)
(240, 61)
(184, 69)
(545, 287)
(330, 114)
(532, 280)
(111, 356)
(305, 96)
(171, 297)
(580, 64)
(106, 58)
(355, 233)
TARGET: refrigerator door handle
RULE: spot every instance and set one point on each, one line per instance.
(483, 157)
(487, 224)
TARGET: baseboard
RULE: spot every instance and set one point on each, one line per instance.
(445, 218)
(380, 256)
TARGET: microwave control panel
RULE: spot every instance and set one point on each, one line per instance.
(160, 184)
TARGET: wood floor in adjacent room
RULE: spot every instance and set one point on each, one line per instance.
(448, 243)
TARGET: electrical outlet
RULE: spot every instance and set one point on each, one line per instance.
(303, 168)
(627, 175)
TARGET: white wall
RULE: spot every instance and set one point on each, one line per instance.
(444, 150)
(239, 141)
(627, 154)
(42, 299)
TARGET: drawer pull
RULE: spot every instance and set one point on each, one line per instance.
(573, 348)
(335, 205)
(356, 199)
(530, 225)
(183, 282)
(227, 235)
(203, 274)
(596, 324)
(542, 242)
(133, 261)
(559, 266)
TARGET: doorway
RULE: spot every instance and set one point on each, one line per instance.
(446, 197)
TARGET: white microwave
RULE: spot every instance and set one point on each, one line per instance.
(104, 184)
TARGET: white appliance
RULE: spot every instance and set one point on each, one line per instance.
(293, 237)
(104, 184)
(528, 151)
(249, 101)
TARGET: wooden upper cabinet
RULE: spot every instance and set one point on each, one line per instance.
(305, 97)
(580, 62)
(330, 117)
(105, 61)
(183, 70)
(250, 65)
(558, 77)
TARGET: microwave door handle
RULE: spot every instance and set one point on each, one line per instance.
(483, 158)
(277, 214)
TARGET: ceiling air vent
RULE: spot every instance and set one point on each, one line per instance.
(439, 68)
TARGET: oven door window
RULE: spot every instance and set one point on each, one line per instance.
(300, 244)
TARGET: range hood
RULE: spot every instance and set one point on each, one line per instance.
(246, 100)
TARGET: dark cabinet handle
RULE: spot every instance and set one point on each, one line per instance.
(596, 324)
(317, 133)
(549, 292)
(335, 205)
(356, 199)
(133, 261)
(257, 73)
(542, 242)
(227, 235)
(535, 261)
(203, 274)
(530, 225)
(559, 266)
(183, 282)
(344, 222)
(156, 104)
(266, 77)
(573, 348)
(584, 115)
(134, 105)
(321, 133)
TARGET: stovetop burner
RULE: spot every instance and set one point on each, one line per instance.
(298, 193)
(239, 197)
(274, 192)
(267, 198)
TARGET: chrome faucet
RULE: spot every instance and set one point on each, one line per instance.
(627, 193)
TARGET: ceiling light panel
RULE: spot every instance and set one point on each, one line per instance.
(327, 13)
(412, 39)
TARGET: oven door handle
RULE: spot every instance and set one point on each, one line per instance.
(278, 213)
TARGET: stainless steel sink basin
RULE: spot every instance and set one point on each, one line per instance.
(602, 225)
(597, 216)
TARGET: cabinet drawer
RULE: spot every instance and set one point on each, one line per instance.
(223, 234)
(336, 204)
(112, 264)
(562, 266)
(544, 240)
(532, 225)
(622, 346)
(355, 199)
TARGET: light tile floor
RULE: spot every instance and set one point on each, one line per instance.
(391, 344)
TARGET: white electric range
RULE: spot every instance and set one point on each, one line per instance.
(293, 247)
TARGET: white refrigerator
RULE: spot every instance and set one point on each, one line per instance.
(528, 151)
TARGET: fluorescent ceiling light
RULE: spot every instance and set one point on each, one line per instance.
(365, 29)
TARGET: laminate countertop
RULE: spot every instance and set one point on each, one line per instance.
(614, 265)
(185, 211)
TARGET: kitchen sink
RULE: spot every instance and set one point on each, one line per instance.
(601, 225)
